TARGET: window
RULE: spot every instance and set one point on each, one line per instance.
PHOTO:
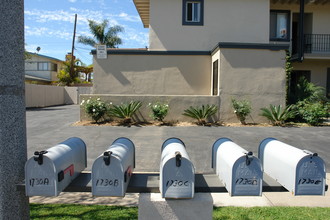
(42, 66)
(279, 26)
(193, 12)
(215, 77)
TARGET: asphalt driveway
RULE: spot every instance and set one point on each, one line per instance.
(48, 126)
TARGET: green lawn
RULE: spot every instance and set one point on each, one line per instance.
(96, 212)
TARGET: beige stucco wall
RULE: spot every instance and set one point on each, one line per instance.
(254, 75)
(153, 74)
(318, 70)
(177, 104)
(46, 95)
(224, 21)
(43, 95)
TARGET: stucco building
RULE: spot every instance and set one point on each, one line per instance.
(210, 51)
(41, 69)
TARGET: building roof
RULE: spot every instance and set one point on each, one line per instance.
(30, 77)
(40, 55)
(143, 7)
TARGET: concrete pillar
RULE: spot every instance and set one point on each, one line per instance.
(153, 206)
(13, 152)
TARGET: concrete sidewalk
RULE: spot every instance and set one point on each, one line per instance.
(48, 126)
(219, 199)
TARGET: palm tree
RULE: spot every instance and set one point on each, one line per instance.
(101, 35)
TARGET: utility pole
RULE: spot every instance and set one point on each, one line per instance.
(72, 50)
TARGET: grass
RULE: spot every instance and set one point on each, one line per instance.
(75, 212)
(271, 213)
(96, 212)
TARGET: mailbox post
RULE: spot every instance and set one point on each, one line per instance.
(49, 172)
(112, 170)
(301, 172)
(177, 173)
(237, 168)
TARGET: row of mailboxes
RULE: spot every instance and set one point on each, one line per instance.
(301, 172)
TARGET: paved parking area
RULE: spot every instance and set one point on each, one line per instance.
(48, 126)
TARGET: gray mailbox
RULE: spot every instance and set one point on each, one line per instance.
(49, 172)
(111, 171)
(238, 169)
(301, 172)
(177, 173)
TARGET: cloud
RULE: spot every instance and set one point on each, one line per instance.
(47, 32)
(72, 1)
(131, 18)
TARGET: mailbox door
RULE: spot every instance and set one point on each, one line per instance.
(178, 182)
(310, 176)
(247, 179)
(40, 180)
(108, 180)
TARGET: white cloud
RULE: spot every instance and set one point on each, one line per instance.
(72, 1)
(130, 18)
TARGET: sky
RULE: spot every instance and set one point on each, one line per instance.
(49, 24)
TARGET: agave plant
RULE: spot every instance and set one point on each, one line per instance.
(201, 113)
(125, 111)
(277, 114)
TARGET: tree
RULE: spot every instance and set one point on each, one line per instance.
(101, 35)
(64, 74)
(87, 70)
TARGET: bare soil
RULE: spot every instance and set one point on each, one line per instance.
(183, 124)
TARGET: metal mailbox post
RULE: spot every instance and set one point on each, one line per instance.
(238, 169)
(111, 171)
(301, 172)
(49, 172)
(177, 173)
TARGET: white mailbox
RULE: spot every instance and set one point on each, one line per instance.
(112, 170)
(238, 169)
(301, 172)
(49, 172)
(177, 173)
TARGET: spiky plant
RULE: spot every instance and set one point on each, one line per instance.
(201, 113)
(277, 114)
(125, 111)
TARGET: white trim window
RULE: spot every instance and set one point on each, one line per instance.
(193, 12)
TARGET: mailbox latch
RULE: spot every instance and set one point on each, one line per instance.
(38, 156)
(178, 158)
(249, 158)
(106, 157)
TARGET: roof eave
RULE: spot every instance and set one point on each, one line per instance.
(143, 8)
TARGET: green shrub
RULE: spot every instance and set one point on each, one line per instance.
(241, 109)
(277, 115)
(125, 111)
(94, 108)
(201, 113)
(312, 113)
(307, 91)
(158, 110)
